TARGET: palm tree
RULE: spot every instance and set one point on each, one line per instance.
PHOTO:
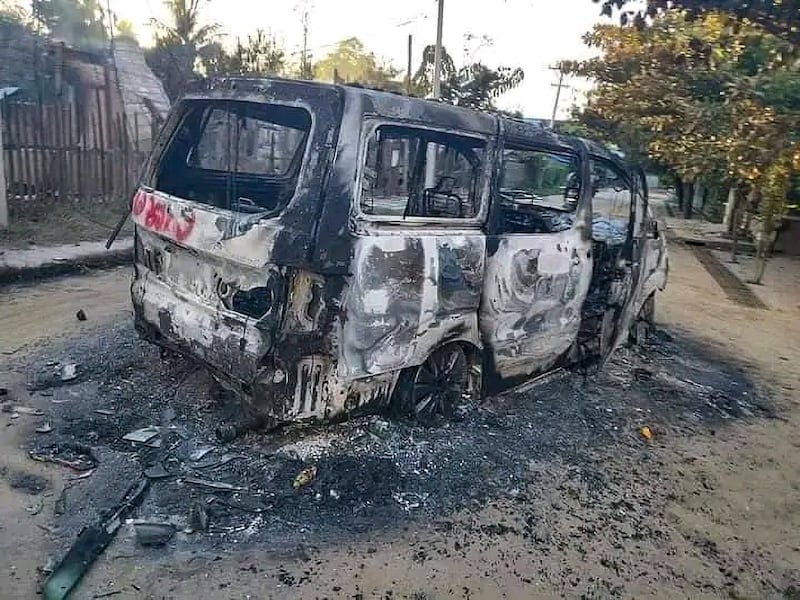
(179, 43)
(186, 29)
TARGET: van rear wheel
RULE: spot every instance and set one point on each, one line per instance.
(432, 392)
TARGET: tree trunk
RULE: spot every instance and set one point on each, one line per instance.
(688, 198)
(679, 192)
(760, 267)
(706, 191)
(734, 199)
(730, 210)
(764, 239)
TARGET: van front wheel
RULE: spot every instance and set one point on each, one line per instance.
(431, 392)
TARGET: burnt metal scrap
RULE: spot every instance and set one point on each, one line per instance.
(90, 544)
(326, 250)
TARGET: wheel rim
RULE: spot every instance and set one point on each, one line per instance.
(439, 384)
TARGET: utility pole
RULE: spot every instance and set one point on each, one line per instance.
(430, 161)
(558, 87)
(304, 7)
(408, 71)
(437, 56)
(305, 68)
(3, 200)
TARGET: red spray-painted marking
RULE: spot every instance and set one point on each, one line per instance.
(155, 215)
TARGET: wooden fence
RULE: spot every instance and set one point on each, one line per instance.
(66, 151)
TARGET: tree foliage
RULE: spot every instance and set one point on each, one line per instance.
(12, 10)
(474, 85)
(179, 43)
(124, 30)
(712, 99)
(260, 54)
(778, 17)
(351, 62)
(78, 22)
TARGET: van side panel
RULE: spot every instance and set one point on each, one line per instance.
(410, 294)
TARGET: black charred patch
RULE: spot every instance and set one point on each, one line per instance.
(577, 436)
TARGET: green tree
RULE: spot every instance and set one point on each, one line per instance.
(179, 43)
(260, 54)
(351, 62)
(79, 22)
(778, 17)
(712, 99)
(473, 86)
(124, 30)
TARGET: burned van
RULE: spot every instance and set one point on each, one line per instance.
(329, 249)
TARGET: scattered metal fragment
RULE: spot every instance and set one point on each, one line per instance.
(216, 485)
(80, 315)
(199, 453)
(84, 475)
(646, 433)
(141, 436)
(69, 372)
(44, 428)
(223, 460)
(157, 472)
(105, 411)
(107, 594)
(90, 543)
(304, 477)
(409, 500)
(74, 456)
(150, 533)
(35, 509)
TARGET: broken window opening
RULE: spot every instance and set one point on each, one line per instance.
(539, 190)
(611, 203)
(240, 156)
(420, 173)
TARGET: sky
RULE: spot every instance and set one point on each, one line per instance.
(532, 34)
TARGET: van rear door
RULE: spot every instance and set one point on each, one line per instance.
(229, 200)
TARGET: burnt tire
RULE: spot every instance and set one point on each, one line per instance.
(431, 393)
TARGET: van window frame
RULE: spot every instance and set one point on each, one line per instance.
(528, 145)
(627, 177)
(180, 112)
(372, 124)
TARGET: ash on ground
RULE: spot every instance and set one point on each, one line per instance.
(370, 475)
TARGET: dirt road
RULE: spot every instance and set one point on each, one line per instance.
(544, 494)
(41, 312)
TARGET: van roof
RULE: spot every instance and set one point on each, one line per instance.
(397, 105)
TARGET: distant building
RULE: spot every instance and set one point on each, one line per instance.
(98, 85)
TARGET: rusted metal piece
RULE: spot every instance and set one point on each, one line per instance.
(263, 251)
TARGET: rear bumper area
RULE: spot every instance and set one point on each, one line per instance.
(225, 341)
(280, 384)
